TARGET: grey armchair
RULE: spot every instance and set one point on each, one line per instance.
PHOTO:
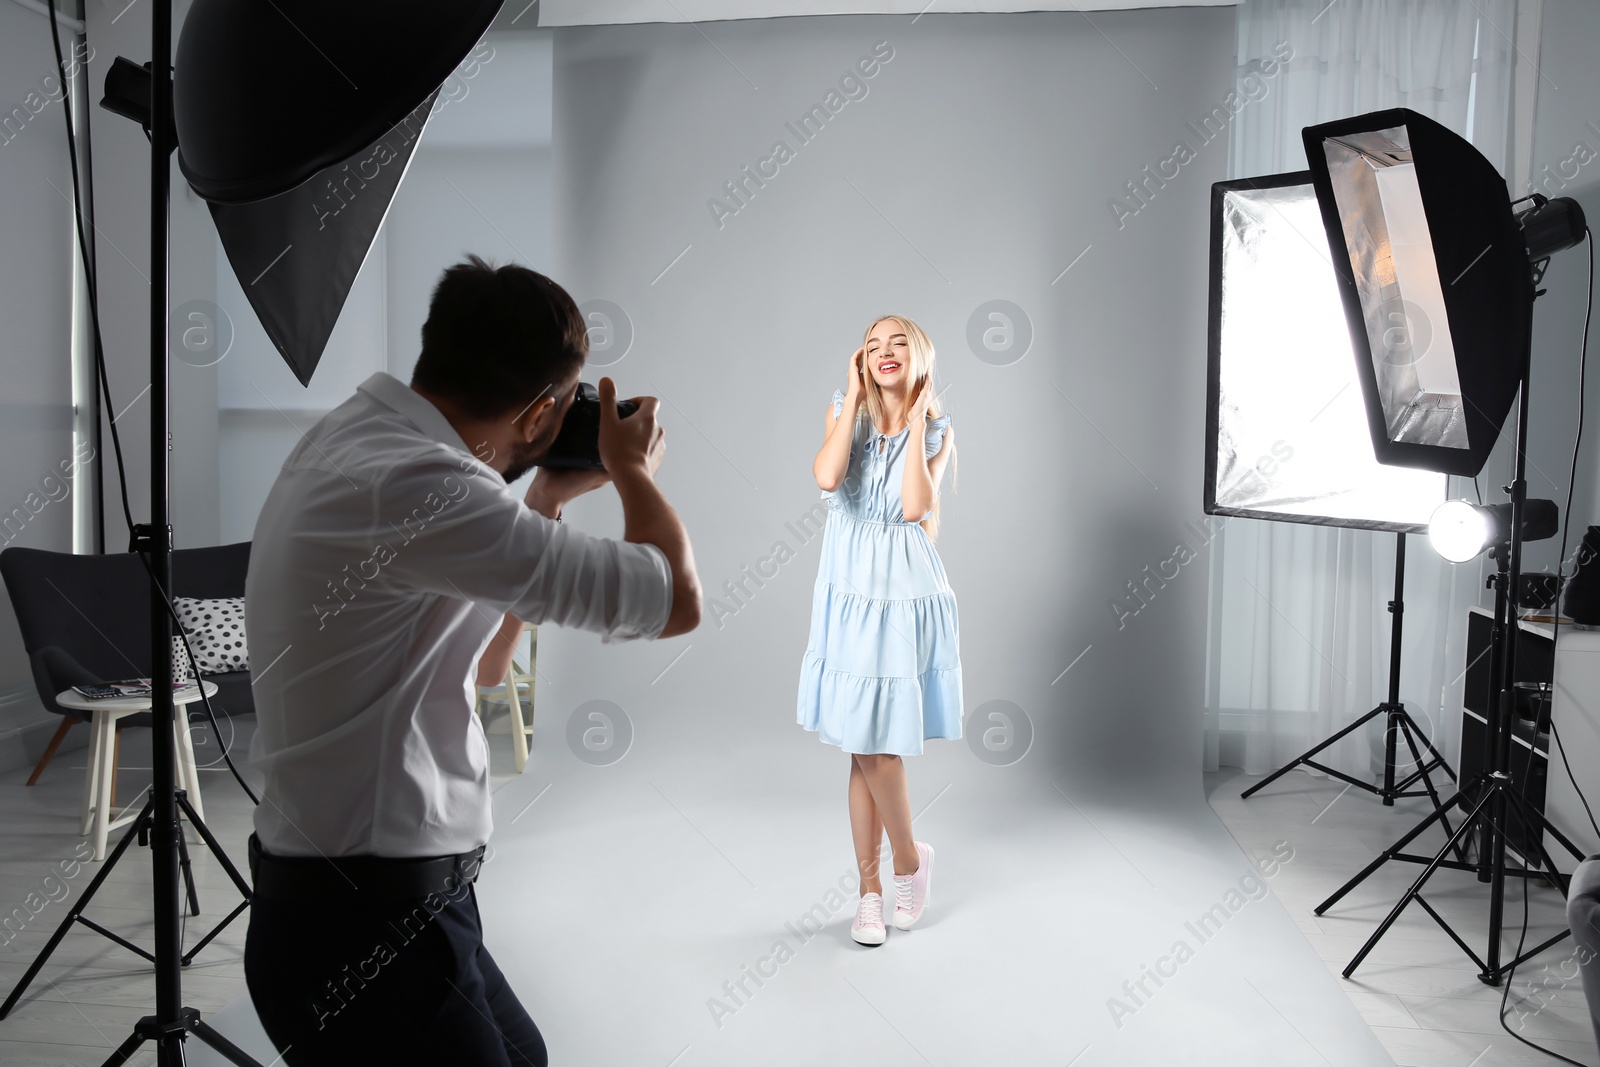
(86, 619)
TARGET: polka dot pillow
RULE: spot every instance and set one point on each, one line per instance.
(216, 633)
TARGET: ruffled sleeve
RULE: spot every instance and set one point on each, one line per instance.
(935, 435)
(838, 408)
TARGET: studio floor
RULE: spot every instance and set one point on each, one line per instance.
(630, 904)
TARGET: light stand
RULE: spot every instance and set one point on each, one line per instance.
(129, 93)
(1492, 789)
(1398, 720)
(172, 1021)
(140, 830)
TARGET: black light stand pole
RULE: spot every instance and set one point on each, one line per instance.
(1398, 720)
(1504, 617)
(157, 540)
(1490, 805)
(172, 1022)
(1397, 610)
(1505, 704)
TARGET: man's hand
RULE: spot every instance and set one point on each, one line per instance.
(632, 448)
(636, 442)
(551, 489)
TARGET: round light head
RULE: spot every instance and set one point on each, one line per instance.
(1458, 530)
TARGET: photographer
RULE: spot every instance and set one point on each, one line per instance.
(386, 557)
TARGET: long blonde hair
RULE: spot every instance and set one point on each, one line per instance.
(921, 367)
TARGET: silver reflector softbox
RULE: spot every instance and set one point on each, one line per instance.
(1287, 436)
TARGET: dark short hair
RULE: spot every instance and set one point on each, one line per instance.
(498, 338)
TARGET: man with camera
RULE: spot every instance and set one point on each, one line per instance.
(385, 559)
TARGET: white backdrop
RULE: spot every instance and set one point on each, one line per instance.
(930, 196)
(673, 816)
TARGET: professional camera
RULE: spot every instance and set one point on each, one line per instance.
(577, 443)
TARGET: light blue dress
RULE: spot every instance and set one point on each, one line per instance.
(882, 669)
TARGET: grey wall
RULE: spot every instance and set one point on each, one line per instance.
(122, 217)
(196, 475)
(494, 201)
(978, 166)
(478, 182)
(35, 308)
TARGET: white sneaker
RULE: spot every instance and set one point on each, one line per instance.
(914, 892)
(868, 928)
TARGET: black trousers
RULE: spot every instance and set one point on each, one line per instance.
(395, 984)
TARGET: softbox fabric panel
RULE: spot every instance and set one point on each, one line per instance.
(1434, 276)
(1286, 432)
(296, 121)
(297, 254)
(265, 96)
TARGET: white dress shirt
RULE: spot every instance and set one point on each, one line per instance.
(384, 560)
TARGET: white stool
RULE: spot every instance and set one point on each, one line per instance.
(516, 678)
(97, 814)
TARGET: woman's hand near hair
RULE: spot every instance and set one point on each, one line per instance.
(855, 380)
(917, 413)
(834, 458)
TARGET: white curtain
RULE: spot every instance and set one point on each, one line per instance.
(1298, 643)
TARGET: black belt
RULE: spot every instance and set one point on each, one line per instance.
(360, 879)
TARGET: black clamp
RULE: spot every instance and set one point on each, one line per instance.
(143, 538)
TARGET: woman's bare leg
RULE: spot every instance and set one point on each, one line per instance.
(867, 828)
(886, 779)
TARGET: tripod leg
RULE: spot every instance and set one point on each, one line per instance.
(39, 961)
(188, 874)
(124, 1052)
(1545, 824)
(233, 1053)
(188, 957)
(215, 846)
(1534, 821)
(227, 864)
(1416, 887)
(1388, 853)
(1434, 752)
(1427, 782)
(1532, 818)
(1423, 766)
(1304, 756)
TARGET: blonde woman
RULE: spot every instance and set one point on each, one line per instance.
(882, 669)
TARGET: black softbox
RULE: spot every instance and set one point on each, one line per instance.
(296, 121)
(1433, 271)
